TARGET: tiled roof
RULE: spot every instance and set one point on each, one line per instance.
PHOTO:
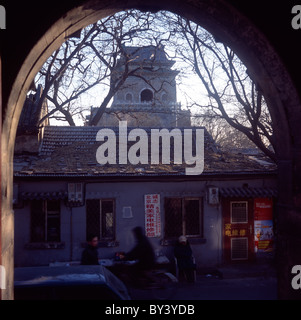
(44, 195)
(247, 192)
(71, 151)
(147, 54)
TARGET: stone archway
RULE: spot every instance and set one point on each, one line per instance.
(231, 27)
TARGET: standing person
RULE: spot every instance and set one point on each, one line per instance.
(184, 257)
(90, 253)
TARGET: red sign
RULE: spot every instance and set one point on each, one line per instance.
(263, 209)
(152, 215)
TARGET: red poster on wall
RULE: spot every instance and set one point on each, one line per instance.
(152, 215)
(263, 225)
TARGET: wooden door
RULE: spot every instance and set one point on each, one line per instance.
(238, 230)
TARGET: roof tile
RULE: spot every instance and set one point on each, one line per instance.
(72, 151)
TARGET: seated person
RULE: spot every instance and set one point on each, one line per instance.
(183, 254)
(90, 253)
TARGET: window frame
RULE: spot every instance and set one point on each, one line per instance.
(46, 216)
(100, 219)
(164, 97)
(128, 94)
(246, 213)
(101, 238)
(184, 217)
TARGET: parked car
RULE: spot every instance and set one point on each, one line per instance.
(68, 283)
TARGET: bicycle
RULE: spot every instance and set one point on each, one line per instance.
(161, 283)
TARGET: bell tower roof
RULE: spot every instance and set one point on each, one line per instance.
(147, 55)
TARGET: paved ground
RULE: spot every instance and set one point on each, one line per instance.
(250, 282)
(227, 289)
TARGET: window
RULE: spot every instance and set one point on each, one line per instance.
(239, 248)
(45, 221)
(129, 97)
(164, 97)
(100, 218)
(239, 212)
(146, 95)
(183, 216)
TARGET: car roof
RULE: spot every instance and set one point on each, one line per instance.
(64, 274)
(69, 276)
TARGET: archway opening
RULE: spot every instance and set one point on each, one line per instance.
(146, 96)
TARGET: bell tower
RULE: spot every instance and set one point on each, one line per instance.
(148, 97)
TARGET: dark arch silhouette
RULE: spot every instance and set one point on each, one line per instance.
(31, 36)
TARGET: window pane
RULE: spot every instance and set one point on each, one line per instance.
(53, 220)
(53, 228)
(92, 217)
(107, 222)
(37, 222)
(173, 217)
(239, 212)
(53, 206)
(192, 216)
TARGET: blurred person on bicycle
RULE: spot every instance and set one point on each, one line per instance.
(144, 255)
